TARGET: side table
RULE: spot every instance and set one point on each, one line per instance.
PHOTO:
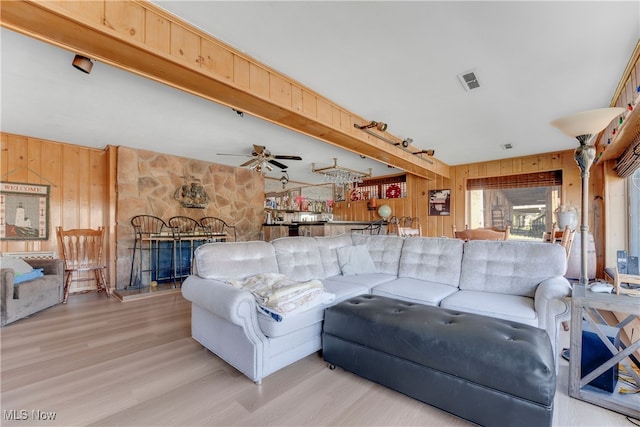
(584, 304)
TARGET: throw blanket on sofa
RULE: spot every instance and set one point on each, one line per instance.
(278, 296)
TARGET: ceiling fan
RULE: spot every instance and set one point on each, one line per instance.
(261, 157)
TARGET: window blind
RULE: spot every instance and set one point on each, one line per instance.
(526, 180)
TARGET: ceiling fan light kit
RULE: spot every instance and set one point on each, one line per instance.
(262, 159)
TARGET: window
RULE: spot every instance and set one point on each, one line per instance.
(523, 202)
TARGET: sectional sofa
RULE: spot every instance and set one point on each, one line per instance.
(513, 280)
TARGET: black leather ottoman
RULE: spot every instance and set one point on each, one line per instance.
(489, 371)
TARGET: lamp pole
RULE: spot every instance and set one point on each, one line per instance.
(583, 126)
(584, 155)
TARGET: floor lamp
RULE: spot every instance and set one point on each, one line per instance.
(584, 126)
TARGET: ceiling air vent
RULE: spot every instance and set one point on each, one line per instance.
(506, 146)
(469, 80)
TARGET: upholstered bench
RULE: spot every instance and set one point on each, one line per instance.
(485, 370)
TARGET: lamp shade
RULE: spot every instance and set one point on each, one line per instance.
(586, 122)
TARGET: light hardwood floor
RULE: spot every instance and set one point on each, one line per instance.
(100, 362)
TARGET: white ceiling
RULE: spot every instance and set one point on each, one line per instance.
(388, 61)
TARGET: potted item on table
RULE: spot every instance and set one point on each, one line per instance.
(566, 215)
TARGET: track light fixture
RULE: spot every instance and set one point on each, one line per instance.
(82, 63)
(429, 152)
(406, 142)
(378, 125)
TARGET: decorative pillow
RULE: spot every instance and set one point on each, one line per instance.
(355, 260)
(37, 272)
(18, 265)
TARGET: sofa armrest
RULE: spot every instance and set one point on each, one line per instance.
(6, 279)
(225, 301)
(49, 266)
(551, 301)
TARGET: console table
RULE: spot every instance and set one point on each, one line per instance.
(584, 305)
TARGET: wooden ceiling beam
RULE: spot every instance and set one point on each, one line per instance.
(144, 39)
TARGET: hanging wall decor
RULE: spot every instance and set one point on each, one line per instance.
(24, 211)
(191, 194)
(440, 202)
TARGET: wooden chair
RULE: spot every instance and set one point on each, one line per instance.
(392, 225)
(489, 233)
(82, 252)
(563, 237)
(619, 278)
(410, 227)
(216, 226)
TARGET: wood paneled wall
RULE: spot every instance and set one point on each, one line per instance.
(571, 188)
(416, 204)
(78, 180)
(84, 194)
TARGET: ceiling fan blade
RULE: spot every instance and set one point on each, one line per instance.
(259, 149)
(278, 164)
(237, 155)
(288, 157)
(248, 162)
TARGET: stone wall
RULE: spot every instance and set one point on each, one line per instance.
(147, 182)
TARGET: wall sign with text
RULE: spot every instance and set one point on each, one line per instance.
(24, 211)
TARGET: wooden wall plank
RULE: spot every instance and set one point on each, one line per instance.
(259, 80)
(241, 72)
(157, 32)
(92, 11)
(127, 18)
(279, 91)
(218, 60)
(185, 45)
(76, 194)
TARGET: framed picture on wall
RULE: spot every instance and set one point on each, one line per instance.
(24, 211)
(439, 202)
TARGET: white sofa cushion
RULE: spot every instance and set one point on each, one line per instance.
(510, 267)
(502, 306)
(298, 258)
(273, 328)
(234, 261)
(328, 246)
(18, 265)
(385, 251)
(414, 290)
(355, 260)
(432, 259)
(367, 281)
